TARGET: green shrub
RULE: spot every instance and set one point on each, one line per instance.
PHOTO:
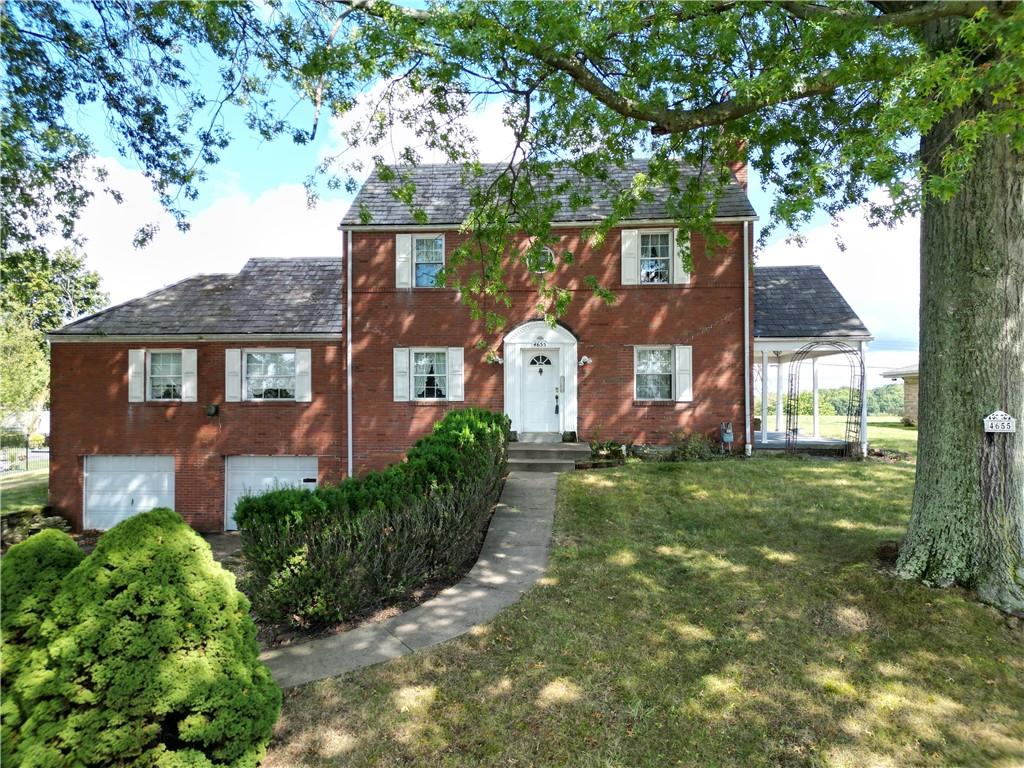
(692, 446)
(148, 657)
(36, 440)
(31, 574)
(316, 557)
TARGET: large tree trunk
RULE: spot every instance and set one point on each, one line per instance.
(967, 522)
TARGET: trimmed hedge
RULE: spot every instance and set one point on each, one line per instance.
(316, 557)
(146, 655)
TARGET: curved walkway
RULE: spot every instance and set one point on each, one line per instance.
(513, 557)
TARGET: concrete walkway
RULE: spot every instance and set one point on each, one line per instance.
(514, 556)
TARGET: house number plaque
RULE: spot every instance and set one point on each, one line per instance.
(1000, 421)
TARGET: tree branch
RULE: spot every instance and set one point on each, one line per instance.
(914, 16)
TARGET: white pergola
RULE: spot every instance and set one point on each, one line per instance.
(781, 352)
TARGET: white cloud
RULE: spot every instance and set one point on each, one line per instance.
(878, 274)
(234, 228)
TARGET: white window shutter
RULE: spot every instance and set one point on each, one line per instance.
(456, 377)
(232, 375)
(682, 249)
(683, 357)
(401, 374)
(303, 376)
(403, 261)
(630, 256)
(136, 375)
(189, 376)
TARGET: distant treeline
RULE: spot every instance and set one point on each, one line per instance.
(882, 401)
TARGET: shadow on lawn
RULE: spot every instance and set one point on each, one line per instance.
(718, 614)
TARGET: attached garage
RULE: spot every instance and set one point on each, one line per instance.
(117, 487)
(247, 475)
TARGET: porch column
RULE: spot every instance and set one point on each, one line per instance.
(778, 394)
(764, 394)
(814, 397)
(864, 400)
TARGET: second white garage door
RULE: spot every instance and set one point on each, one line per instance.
(117, 487)
(256, 474)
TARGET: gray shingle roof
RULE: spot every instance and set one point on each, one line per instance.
(444, 195)
(268, 296)
(797, 302)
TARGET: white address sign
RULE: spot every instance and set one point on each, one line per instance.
(1000, 421)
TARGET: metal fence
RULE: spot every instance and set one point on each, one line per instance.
(21, 458)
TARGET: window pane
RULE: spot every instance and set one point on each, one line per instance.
(429, 250)
(654, 258)
(165, 375)
(430, 379)
(654, 361)
(426, 275)
(270, 375)
(654, 386)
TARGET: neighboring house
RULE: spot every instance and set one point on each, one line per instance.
(191, 395)
(910, 378)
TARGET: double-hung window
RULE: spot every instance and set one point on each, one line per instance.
(429, 374)
(269, 374)
(654, 373)
(428, 260)
(163, 374)
(655, 258)
(663, 373)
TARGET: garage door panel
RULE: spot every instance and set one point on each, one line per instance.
(249, 475)
(117, 487)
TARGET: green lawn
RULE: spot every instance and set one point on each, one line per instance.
(883, 432)
(715, 614)
(22, 490)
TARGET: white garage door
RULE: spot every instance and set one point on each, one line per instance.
(256, 474)
(117, 487)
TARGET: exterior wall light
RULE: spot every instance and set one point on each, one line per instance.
(493, 358)
(585, 361)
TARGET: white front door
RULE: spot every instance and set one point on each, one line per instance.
(247, 475)
(542, 398)
(117, 487)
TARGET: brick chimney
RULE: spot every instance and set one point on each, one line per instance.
(739, 165)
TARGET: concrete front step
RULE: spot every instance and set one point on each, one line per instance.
(541, 465)
(566, 451)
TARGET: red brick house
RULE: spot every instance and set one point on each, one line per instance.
(305, 370)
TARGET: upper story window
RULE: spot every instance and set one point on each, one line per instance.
(428, 260)
(269, 374)
(429, 374)
(163, 375)
(545, 261)
(655, 258)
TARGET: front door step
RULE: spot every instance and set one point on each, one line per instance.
(546, 456)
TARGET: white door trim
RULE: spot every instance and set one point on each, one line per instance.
(538, 335)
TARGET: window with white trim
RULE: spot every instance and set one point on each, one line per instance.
(268, 374)
(653, 369)
(428, 260)
(429, 374)
(163, 375)
(655, 258)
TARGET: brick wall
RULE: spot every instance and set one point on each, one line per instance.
(910, 399)
(706, 314)
(91, 415)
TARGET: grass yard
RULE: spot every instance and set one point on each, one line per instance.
(22, 490)
(713, 614)
(883, 432)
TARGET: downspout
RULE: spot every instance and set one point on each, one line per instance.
(747, 446)
(348, 352)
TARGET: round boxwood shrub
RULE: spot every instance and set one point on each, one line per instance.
(31, 573)
(148, 658)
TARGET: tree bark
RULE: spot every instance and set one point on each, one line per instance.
(967, 520)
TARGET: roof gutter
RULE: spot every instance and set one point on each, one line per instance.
(112, 338)
(554, 225)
